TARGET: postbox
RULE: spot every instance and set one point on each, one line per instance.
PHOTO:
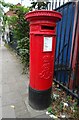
(42, 53)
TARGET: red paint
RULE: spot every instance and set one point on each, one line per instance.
(77, 78)
(42, 24)
(74, 62)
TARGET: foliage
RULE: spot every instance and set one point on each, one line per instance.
(18, 24)
(39, 5)
(1, 15)
(1, 11)
(5, 4)
(23, 46)
(49, 109)
(19, 28)
(65, 105)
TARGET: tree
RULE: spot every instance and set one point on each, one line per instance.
(1, 11)
(1, 15)
(18, 23)
(20, 29)
(39, 5)
(3, 18)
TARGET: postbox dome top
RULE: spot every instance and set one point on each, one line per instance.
(43, 15)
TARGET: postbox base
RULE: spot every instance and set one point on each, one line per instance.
(39, 99)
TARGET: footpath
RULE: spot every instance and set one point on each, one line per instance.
(14, 88)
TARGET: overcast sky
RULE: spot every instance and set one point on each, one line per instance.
(24, 3)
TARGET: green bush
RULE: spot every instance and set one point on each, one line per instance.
(23, 47)
(19, 27)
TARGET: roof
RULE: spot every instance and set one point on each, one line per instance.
(11, 12)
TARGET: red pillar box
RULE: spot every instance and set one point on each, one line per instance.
(42, 53)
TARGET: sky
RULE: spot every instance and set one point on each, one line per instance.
(24, 3)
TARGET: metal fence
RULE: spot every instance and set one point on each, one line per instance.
(53, 4)
(67, 51)
(13, 41)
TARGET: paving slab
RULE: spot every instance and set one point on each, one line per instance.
(11, 98)
(5, 88)
(0, 83)
(8, 112)
(22, 112)
(15, 88)
(32, 111)
(0, 112)
(42, 116)
(0, 90)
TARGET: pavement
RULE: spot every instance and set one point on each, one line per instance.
(14, 88)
